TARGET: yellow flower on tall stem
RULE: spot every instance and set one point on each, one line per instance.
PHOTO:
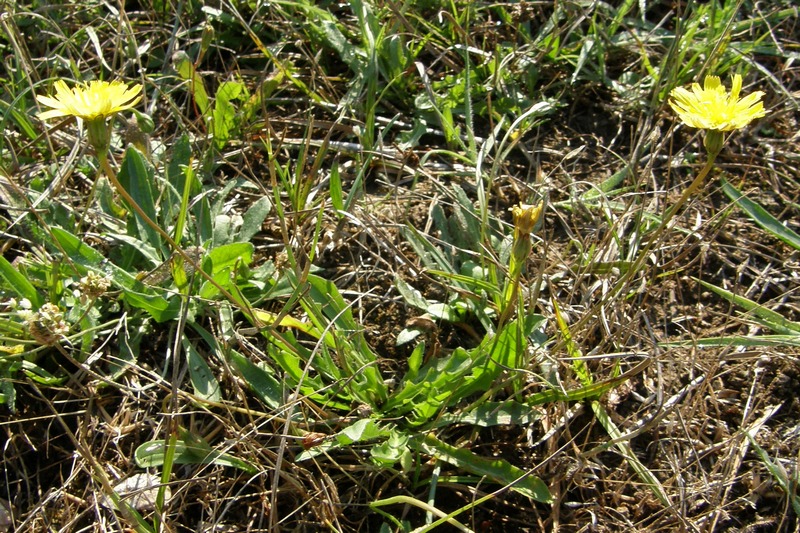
(714, 110)
(94, 103)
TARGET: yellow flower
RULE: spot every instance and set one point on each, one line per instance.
(712, 108)
(97, 100)
(525, 217)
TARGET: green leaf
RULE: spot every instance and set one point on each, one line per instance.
(193, 452)
(181, 153)
(20, 284)
(331, 35)
(498, 470)
(490, 414)
(446, 312)
(424, 393)
(204, 383)
(158, 308)
(392, 450)
(262, 383)
(336, 191)
(363, 430)
(225, 258)
(761, 217)
(253, 218)
(771, 319)
(431, 256)
(506, 350)
(415, 361)
(40, 375)
(411, 295)
(407, 335)
(136, 247)
(185, 68)
(183, 210)
(224, 113)
(592, 391)
(135, 293)
(137, 177)
(326, 307)
(221, 264)
(8, 395)
(607, 185)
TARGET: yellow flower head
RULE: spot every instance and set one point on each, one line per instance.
(525, 217)
(97, 100)
(712, 108)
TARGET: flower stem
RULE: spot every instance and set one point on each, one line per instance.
(643, 254)
(687, 193)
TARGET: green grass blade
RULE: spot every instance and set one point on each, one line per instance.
(166, 474)
(770, 318)
(737, 340)
(760, 216)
